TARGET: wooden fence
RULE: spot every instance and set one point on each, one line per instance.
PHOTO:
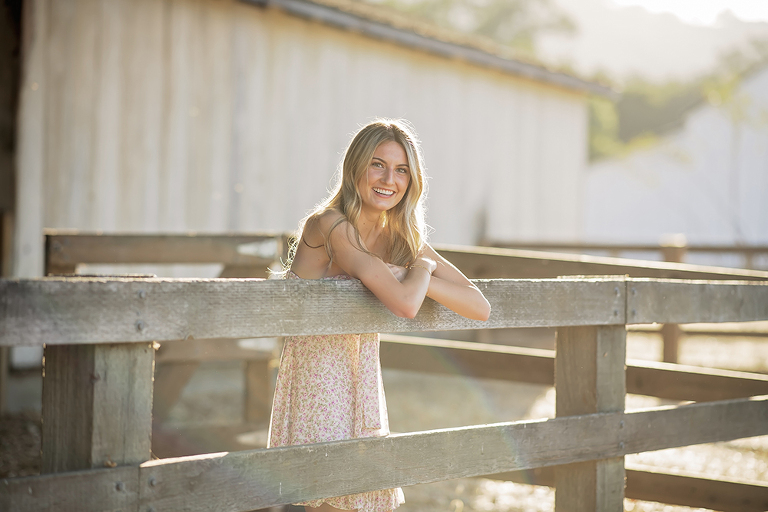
(673, 251)
(99, 334)
(248, 255)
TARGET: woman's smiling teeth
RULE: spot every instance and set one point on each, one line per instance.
(383, 191)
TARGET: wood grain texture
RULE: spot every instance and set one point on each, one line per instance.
(97, 406)
(70, 248)
(536, 366)
(679, 302)
(486, 263)
(95, 310)
(261, 478)
(96, 490)
(675, 488)
(590, 378)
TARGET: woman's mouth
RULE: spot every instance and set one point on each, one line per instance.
(384, 192)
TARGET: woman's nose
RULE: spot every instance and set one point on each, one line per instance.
(388, 176)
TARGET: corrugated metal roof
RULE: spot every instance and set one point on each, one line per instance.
(390, 26)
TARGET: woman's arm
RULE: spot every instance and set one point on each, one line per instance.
(452, 289)
(402, 298)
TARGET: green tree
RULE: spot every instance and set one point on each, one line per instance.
(509, 22)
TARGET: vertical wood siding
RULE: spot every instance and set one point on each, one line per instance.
(214, 115)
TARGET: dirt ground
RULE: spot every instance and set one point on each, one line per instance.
(212, 402)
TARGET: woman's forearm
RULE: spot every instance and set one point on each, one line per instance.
(465, 300)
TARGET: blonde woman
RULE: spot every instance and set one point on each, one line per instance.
(370, 228)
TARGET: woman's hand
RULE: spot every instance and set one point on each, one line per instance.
(398, 271)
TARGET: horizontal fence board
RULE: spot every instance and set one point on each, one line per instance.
(65, 249)
(679, 302)
(90, 490)
(261, 478)
(101, 310)
(223, 349)
(654, 484)
(697, 491)
(468, 359)
(488, 262)
(536, 366)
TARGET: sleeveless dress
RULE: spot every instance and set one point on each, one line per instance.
(329, 388)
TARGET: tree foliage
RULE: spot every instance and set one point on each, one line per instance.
(509, 22)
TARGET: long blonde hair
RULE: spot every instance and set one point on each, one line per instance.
(404, 222)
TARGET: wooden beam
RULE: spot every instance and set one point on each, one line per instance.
(215, 349)
(94, 490)
(487, 262)
(97, 406)
(261, 478)
(103, 310)
(65, 248)
(679, 302)
(590, 378)
(649, 483)
(536, 366)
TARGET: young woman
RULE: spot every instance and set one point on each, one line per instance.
(370, 228)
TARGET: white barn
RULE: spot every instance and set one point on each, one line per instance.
(708, 180)
(223, 115)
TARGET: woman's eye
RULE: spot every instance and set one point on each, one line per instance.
(377, 164)
(402, 170)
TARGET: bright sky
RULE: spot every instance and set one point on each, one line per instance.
(705, 12)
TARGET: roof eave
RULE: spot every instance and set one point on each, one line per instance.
(382, 31)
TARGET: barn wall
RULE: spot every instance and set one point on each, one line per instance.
(708, 181)
(215, 115)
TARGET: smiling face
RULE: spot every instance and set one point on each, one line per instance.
(386, 180)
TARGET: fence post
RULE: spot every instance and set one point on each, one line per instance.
(97, 405)
(590, 377)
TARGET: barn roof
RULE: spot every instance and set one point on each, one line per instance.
(389, 26)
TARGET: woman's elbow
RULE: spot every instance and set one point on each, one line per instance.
(406, 311)
(483, 311)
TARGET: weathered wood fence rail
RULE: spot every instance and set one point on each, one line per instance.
(248, 255)
(97, 402)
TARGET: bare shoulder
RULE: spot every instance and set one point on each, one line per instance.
(329, 220)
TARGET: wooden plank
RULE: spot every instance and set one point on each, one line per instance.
(590, 378)
(535, 366)
(485, 263)
(570, 247)
(217, 349)
(264, 478)
(469, 359)
(654, 484)
(696, 491)
(32, 148)
(725, 329)
(260, 478)
(95, 490)
(68, 247)
(683, 382)
(670, 334)
(97, 406)
(258, 391)
(99, 310)
(5, 361)
(679, 302)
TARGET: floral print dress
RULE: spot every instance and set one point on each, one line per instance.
(329, 388)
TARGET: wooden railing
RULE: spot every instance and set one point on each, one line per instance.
(99, 335)
(672, 251)
(249, 255)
